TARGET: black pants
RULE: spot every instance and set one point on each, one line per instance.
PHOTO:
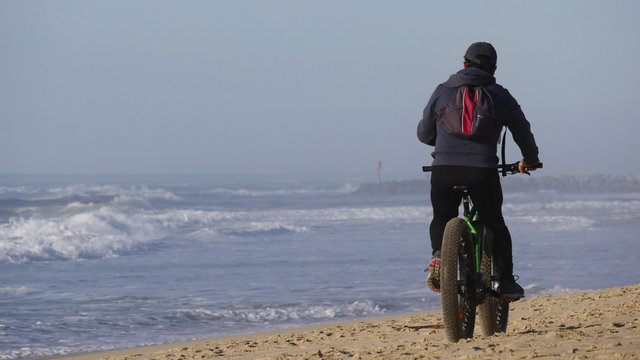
(486, 194)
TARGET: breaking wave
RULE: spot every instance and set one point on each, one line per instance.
(86, 231)
(96, 234)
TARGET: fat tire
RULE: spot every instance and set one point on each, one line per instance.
(493, 312)
(458, 312)
(502, 314)
(487, 309)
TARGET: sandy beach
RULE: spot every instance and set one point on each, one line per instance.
(601, 324)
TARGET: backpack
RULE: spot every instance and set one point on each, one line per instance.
(469, 114)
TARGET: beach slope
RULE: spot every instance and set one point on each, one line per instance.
(601, 324)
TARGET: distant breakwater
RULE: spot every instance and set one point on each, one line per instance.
(566, 183)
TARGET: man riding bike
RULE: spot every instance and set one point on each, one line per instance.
(473, 161)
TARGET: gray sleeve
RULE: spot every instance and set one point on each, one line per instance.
(427, 126)
(521, 131)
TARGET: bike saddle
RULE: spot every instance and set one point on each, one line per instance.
(461, 188)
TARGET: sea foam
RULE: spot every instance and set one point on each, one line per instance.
(286, 312)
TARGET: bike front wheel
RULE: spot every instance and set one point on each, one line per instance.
(457, 281)
(493, 312)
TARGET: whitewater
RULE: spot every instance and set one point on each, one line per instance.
(100, 263)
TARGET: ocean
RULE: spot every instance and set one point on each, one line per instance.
(98, 263)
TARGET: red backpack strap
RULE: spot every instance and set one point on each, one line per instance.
(468, 105)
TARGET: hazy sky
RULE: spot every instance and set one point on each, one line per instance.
(302, 87)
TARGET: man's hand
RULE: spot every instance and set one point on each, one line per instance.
(525, 168)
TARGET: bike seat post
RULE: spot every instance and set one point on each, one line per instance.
(465, 198)
(465, 203)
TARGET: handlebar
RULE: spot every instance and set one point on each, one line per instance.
(513, 168)
(505, 169)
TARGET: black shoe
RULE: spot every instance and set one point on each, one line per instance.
(510, 290)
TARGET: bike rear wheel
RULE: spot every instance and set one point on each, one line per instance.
(502, 314)
(457, 281)
(487, 309)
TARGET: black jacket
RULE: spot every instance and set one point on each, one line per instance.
(452, 150)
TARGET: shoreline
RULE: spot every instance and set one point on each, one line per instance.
(599, 324)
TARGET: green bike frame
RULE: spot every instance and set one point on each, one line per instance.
(470, 217)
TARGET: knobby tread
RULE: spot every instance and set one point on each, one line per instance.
(487, 310)
(458, 318)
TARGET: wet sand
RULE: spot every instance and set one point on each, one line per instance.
(601, 324)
